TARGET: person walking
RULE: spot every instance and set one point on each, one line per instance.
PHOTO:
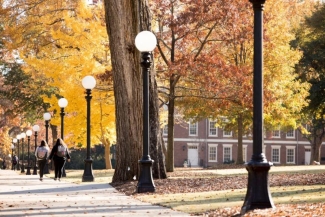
(41, 154)
(60, 154)
(14, 161)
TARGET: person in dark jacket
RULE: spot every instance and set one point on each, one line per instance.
(42, 153)
(60, 154)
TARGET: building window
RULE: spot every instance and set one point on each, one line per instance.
(227, 153)
(245, 153)
(227, 133)
(276, 133)
(291, 155)
(193, 129)
(213, 130)
(290, 133)
(275, 154)
(165, 130)
(213, 152)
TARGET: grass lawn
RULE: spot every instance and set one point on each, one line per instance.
(200, 202)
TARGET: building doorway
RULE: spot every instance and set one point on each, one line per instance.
(307, 156)
(193, 155)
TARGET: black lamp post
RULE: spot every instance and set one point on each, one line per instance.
(23, 136)
(88, 83)
(28, 134)
(35, 129)
(146, 42)
(258, 195)
(18, 137)
(62, 103)
(12, 154)
(47, 117)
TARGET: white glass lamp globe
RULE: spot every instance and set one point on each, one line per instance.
(63, 102)
(47, 116)
(29, 132)
(88, 82)
(23, 135)
(145, 41)
(36, 128)
(18, 137)
(14, 140)
(12, 146)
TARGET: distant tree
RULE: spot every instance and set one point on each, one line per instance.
(310, 40)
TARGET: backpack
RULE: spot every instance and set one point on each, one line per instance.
(62, 151)
(41, 153)
(14, 160)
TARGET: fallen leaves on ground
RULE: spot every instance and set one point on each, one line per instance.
(192, 182)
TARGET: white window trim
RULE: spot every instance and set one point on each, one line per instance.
(291, 137)
(216, 146)
(189, 129)
(294, 154)
(210, 135)
(276, 147)
(223, 151)
(223, 133)
(277, 136)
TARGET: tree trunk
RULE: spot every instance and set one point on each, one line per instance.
(156, 138)
(316, 145)
(240, 139)
(122, 24)
(171, 121)
(108, 162)
(124, 20)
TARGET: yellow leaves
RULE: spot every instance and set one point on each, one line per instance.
(62, 47)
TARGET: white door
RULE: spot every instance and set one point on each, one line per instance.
(193, 155)
(307, 156)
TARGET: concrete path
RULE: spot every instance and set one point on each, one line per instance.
(25, 195)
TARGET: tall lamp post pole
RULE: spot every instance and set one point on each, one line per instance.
(258, 195)
(88, 83)
(23, 136)
(146, 42)
(62, 103)
(47, 117)
(18, 137)
(28, 134)
(35, 129)
(12, 154)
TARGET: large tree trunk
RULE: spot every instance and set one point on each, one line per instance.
(240, 139)
(122, 26)
(156, 138)
(316, 144)
(124, 20)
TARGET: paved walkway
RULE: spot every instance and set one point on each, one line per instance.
(24, 195)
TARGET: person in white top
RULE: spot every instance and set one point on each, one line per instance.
(42, 154)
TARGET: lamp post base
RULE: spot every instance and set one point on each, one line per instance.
(88, 175)
(46, 168)
(22, 168)
(258, 195)
(145, 183)
(35, 170)
(28, 170)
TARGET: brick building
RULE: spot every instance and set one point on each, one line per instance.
(204, 145)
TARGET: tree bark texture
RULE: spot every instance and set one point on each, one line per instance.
(240, 139)
(124, 20)
(122, 26)
(171, 121)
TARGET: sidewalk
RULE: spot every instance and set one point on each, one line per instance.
(25, 195)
